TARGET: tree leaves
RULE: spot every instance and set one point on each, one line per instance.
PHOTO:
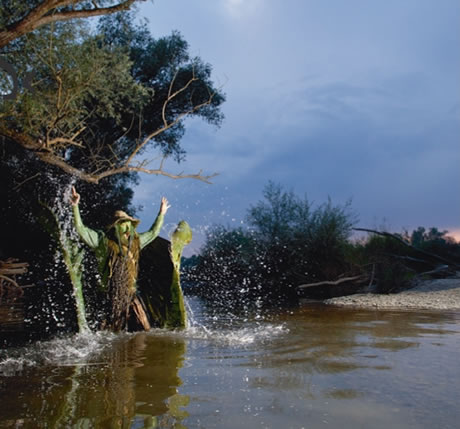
(100, 100)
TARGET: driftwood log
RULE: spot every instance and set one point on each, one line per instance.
(9, 288)
(330, 289)
(441, 271)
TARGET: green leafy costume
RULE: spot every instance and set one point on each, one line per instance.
(118, 262)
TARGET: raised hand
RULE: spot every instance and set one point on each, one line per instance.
(74, 197)
(164, 206)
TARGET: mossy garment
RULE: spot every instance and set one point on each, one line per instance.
(104, 247)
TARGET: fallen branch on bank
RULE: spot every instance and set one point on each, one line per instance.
(9, 269)
(442, 271)
(355, 279)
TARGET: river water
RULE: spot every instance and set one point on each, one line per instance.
(309, 367)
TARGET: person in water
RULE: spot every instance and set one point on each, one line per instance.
(117, 251)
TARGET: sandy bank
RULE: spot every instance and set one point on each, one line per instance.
(438, 294)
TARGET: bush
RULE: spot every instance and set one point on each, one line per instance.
(288, 243)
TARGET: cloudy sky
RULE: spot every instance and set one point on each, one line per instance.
(352, 99)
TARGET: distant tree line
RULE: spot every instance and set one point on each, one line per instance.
(289, 242)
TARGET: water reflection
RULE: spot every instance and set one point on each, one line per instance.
(130, 384)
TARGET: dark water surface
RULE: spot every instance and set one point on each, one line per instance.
(312, 367)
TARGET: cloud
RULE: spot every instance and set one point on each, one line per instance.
(381, 142)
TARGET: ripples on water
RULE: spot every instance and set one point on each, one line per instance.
(307, 367)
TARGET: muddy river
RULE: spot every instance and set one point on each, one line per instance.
(309, 367)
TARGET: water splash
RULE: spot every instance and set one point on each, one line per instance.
(11, 366)
(85, 349)
(58, 220)
(232, 330)
(77, 349)
(259, 333)
(73, 350)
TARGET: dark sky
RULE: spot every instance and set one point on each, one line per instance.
(348, 99)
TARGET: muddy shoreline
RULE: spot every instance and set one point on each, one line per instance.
(433, 294)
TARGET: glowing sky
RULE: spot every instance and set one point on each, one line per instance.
(349, 99)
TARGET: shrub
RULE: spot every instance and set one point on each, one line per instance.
(288, 243)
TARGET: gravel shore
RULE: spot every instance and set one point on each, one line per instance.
(438, 294)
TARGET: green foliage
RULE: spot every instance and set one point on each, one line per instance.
(97, 95)
(434, 241)
(76, 80)
(14, 10)
(290, 243)
(280, 214)
(384, 256)
(303, 242)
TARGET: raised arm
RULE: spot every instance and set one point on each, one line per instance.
(150, 235)
(88, 235)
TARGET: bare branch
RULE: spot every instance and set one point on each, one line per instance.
(334, 283)
(161, 172)
(74, 136)
(25, 181)
(9, 280)
(62, 140)
(53, 159)
(175, 94)
(169, 125)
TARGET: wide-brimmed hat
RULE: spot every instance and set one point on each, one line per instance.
(121, 216)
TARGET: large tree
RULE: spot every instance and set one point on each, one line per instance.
(97, 101)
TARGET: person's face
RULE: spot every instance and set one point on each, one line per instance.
(124, 230)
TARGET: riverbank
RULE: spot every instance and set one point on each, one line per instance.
(433, 294)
